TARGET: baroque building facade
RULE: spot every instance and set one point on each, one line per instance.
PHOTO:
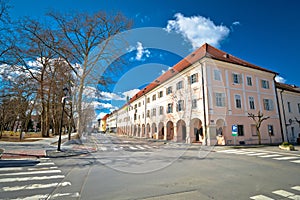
(201, 99)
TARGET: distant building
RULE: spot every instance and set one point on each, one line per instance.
(199, 100)
(289, 106)
(103, 126)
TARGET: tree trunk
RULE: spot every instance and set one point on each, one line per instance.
(259, 136)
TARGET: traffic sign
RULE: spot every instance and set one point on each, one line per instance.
(234, 130)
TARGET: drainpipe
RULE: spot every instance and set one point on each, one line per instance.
(284, 117)
(204, 103)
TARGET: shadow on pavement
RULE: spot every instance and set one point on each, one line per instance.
(17, 163)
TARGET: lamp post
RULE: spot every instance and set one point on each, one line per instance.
(63, 100)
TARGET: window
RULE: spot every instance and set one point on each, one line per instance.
(289, 106)
(194, 78)
(180, 105)
(265, 84)
(148, 113)
(139, 104)
(179, 85)
(161, 110)
(293, 132)
(148, 100)
(299, 107)
(153, 112)
(238, 102)
(268, 104)
(217, 75)
(220, 99)
(134, 116)
(135, 106)
(270, 130)
(154, 97)
(237, 78)
(253, 130)
(249, 81)
(160, 94)
(240, 129)
(170, 108)
(194, 103)
(169, 90)
(251, 103)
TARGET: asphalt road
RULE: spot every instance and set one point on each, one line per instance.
(127, 168)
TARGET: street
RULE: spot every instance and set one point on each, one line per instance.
(128, 168)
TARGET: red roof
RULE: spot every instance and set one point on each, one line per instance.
(292, 88)
(105, 117)
(204, 51)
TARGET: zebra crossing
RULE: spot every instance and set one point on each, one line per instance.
(126, 147)
(293, 158)
(39, 181)
(292, 193)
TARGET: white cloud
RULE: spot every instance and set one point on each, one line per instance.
(107, 96)
(236, 23)
(141, 52)
(101, 115)
(280, 79)
(164, 71)
(130, 93)
(198, 30)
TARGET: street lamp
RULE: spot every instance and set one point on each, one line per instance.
(63, 100)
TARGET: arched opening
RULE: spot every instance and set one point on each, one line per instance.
(143, 130)
(161, 131)
(220, 123)
(196, 130)
(181, 131)
(170, 130)
(154, 131)
(139, 131)
(148, 131)
(135, 130)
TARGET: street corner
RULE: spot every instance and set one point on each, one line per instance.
(73, 150)
(22, 154)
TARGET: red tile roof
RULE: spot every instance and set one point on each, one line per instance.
(204, 51)
(287, 87)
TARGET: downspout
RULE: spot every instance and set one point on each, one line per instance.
(204, 103)
(283, 110)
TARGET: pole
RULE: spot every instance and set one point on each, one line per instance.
(61, 122)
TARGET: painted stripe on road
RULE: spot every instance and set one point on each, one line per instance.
(284, 193)
(6, 180)
(35, 186)
(103, 148)
(133, 148)
(296, 188)
(257, 154)
(261, 197)
(295, 161)
(140, 147)
(23, 168)
(45, 163)
(32, 172)
(286, 158)
(270, 156)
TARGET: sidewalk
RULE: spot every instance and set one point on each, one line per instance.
(67, 149)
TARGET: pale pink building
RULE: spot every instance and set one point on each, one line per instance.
(201, 98)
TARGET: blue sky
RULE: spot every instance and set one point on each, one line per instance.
(265, 33)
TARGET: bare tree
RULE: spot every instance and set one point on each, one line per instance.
(86, 40)
(258, 119)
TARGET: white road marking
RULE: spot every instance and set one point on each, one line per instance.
(295, 161)
(103, 148)
(35, 186)
(133, 148)
(48, 196)
(286, 158)
(6, 180)
(284, 193)
(44, 158)
(23, 168)
(147, 146)
(45, 163)
(32, 172)
(140, 147)
(296, 188)
(260, 197)
(257, 154)
(270, 156)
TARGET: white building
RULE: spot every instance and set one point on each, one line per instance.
(289, 106)
(202, 97)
